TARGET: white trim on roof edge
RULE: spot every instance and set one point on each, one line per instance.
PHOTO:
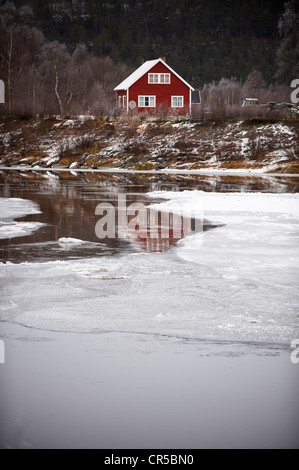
(142, 70)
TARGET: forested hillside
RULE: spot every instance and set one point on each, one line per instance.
(66, 56)
(204, 40)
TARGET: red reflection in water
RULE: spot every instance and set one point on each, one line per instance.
(160, 237)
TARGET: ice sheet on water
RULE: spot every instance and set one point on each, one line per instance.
(70, 241)
(18, 229)
(240, 284)
(14, 208)
(257, 236)
(138, 294)
(69, 244)
(224, 204)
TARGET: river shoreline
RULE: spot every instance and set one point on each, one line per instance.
(136, 144)
(245, 173)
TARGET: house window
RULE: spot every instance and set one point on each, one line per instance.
(146, 101)
(119, 101)
(177, 101)
(163, 78)
(124, 101)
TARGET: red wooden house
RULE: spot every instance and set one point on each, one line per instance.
(154, 86)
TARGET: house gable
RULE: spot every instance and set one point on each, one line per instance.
(129, 81)
(144, 69)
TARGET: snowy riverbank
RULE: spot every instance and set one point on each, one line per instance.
(140, 144)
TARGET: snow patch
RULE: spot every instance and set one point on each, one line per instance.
(70, 241)
(14, 208)
(18, 229)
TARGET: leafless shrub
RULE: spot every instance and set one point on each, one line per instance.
(182, 144)
(2, 148)
(276, 94)
(162, 111)
(156, 129)
(130, 131)
(292, 152)
(135, 147)
(223, 99)
(132, 119)
(234, 112)
(197, 112)
(264, 113)
(218, 110)
(226, 151)
(64, 149)
(144, 166)
(254, 147)
(85, 141)
(27, 140)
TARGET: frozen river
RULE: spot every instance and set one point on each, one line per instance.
(123, 343)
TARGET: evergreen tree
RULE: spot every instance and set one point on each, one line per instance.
(288, 52)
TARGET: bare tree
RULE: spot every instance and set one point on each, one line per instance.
(253, 85)
(275, 93)
(231, 91)
(43, 77)
(19, 46)
(99, 102)
(82, 78)
(55, 72)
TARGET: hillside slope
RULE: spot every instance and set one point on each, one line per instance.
(139, 144)
(202, 40)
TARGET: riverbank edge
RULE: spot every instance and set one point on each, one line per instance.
(260, 146)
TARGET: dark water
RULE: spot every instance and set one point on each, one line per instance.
(68, 202)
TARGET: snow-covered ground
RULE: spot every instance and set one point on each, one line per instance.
(252, 257)
(142, 145)
(183, 345)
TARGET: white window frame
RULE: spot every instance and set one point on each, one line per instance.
(124, 101)
(177, 98)
(156, 78)
(141, 101)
